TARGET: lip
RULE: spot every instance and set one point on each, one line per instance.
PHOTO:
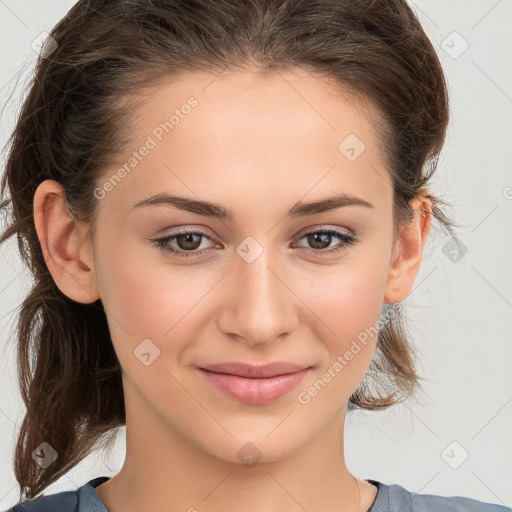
(256, 385)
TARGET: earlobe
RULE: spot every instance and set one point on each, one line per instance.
(61, 241)
(407, 254)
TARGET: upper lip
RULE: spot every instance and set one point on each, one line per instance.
(248, 370)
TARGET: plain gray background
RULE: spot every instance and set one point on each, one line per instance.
(460, 312)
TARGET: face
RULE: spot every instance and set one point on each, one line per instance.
(271, 281)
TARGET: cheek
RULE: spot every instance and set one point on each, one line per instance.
(151, 300)
(350, 299)
(348, 308)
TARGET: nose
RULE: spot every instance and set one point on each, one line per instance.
(259, 306)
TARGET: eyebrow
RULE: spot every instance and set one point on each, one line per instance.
(218, 211)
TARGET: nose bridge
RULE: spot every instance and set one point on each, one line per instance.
(259, 281)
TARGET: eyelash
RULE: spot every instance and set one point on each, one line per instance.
(346, 240)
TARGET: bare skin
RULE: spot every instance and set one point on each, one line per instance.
(255, 145)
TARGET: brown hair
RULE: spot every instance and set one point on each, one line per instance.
(72, 124)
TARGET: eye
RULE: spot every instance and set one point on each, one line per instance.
(189, 242)
(320, 239)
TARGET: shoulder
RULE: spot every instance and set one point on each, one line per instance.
(63, 501)
(395, 498)
(83, 499)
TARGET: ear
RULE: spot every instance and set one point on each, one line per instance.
(63, 244)
(407, 253)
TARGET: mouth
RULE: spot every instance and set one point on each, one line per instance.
(248, 370)
(254, 385)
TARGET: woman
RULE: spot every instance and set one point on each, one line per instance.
(224, 204)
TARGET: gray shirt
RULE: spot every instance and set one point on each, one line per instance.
(390, 498)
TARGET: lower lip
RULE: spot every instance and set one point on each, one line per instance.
(255, 391)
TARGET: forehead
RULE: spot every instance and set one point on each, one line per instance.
(231, 100)
(241, 134)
